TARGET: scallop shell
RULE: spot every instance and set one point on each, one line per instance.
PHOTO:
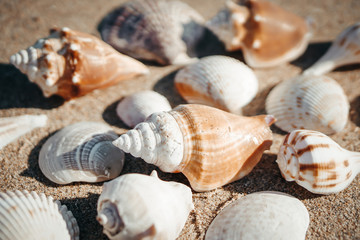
(136, 108)
(316, 162)
(267, 34)
(261, 215)
(81, 152)
(163, 31)
(209, 146)
(309, 102)
(30, 216)
(11, 128)
(218, 81)
(136, 206)
(70, 64)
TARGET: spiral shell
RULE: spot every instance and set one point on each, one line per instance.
(261, 215)
(309, 102)
(316, 162)
(136, 206)
(218, 81)
(30, 216)
(81, 152)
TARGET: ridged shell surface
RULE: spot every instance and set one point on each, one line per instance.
(81, 152)
(261, 215)
(33, 216)
(309, 102)
(316, 162)
(163, 31)
(136, 206)
(218, 81)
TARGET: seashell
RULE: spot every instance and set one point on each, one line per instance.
(309, 102)
(343, 51)
(316, 162)
(157, 30)
(136, 206)
(218, 81)
(81, 152)
(267, 34)
(70, 64)
(11, 128)
(209, 146)
(136, 108)
(33, 216)
(261, 215)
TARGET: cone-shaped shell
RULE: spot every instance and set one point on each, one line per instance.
(218, 81)
(71, 63)
(209, 146)
(316, 162)
(261, 215)
(81, 152)
(136, 206)
(33, 216)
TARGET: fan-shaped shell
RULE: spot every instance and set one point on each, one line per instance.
(81, 152)
(136, 206)
(25, 215)
(309, 102)
(218, 81)
(261, 215)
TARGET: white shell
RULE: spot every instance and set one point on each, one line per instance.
(309, 102)
(30, 216)
(344, 50)
(12, 128)
(81, 152)
(261, 215)
(136, 206)
(316, 162)
(136, 108)
(218, 81)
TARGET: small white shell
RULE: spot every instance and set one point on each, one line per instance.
(81, 152)
(136, 108)
(12, 128)
(262, 215)
(218, 81)
(309, 102)
(30, 216)
(136, 206)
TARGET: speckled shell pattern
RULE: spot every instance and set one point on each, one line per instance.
(316, 162)
(137, 206)
(158, 30)
(218, 81)
(309, 102)
(261, 215)
(81, 152)
(33, 216)
(71, 63)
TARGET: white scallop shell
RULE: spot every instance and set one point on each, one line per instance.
(218, 81)
(261, 215)
(136, 206)
(81, 152)
(30, 216)
(309, 102)
(136, 108)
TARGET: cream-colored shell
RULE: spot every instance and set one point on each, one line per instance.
(81, 152)
(33, 216)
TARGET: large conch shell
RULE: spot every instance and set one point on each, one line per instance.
(33, 216)
(261, 215)
(136, 206)
(209, 146)
(267, 34)
(81, 152)
(316, 162)
(70, 64)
